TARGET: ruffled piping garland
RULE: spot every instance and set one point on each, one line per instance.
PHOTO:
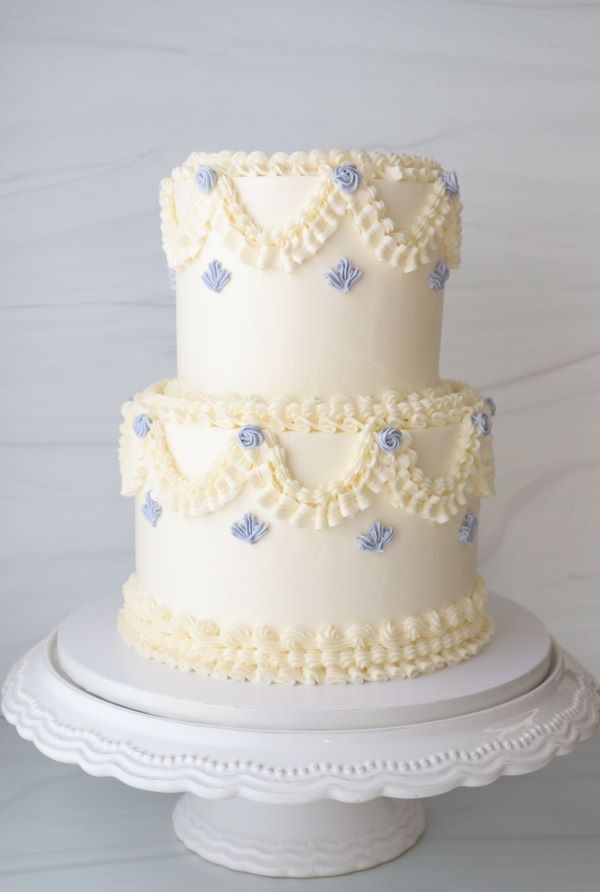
(328, 655)
(435, 233)
(375, 165)
(148, 460)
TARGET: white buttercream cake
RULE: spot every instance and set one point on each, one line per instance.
(307, 488)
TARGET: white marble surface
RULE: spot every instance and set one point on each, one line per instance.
(98, 101)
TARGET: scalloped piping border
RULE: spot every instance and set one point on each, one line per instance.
(435, 233)
(526, 750)
(149, 462)
(175, 403)
(328, 655)
(376, 165)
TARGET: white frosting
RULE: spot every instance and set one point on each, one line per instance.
(189, 214)
(384, 334)
(376, 165)
(301, 576)
(175, 456)
(399, 647)
(305, 604)
(173, 403)
(164, 459)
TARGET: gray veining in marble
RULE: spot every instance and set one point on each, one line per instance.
(98, 101)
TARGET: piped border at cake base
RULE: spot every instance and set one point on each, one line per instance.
(412, 646)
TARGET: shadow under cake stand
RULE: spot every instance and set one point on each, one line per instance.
(300, 781)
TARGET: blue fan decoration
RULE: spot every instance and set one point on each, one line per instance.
(468, 528)
(151, 509)
(250, 529)
(439, 276)
(378, 537)
(344, 276)
(141, 425)
(216, 276)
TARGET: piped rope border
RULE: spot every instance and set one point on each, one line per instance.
(375, 165)
(362, 652)
(175, 403)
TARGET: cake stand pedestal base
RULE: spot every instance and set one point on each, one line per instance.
(320, 838)
(300, 781)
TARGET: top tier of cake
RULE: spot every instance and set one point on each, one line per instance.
(306, 274)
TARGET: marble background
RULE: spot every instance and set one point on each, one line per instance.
(98, 101)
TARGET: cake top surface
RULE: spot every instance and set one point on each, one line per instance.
(375, 165)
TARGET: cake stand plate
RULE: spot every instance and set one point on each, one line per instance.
(92, 654)
(300, 781)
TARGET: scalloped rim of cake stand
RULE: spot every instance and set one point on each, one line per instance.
(412, 760)
(299, 803)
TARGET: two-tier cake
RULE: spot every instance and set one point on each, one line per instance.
(308, 488)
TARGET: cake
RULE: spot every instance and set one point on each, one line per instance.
(308, 488)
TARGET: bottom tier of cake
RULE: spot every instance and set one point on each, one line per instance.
(274, 555)
(301, 605)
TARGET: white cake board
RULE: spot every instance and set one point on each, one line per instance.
(300, 781)
(92, 653)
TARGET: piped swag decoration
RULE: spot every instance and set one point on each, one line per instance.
(348, 188)
(383, 460)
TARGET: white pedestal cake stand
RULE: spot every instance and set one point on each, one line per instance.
(300, 781)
